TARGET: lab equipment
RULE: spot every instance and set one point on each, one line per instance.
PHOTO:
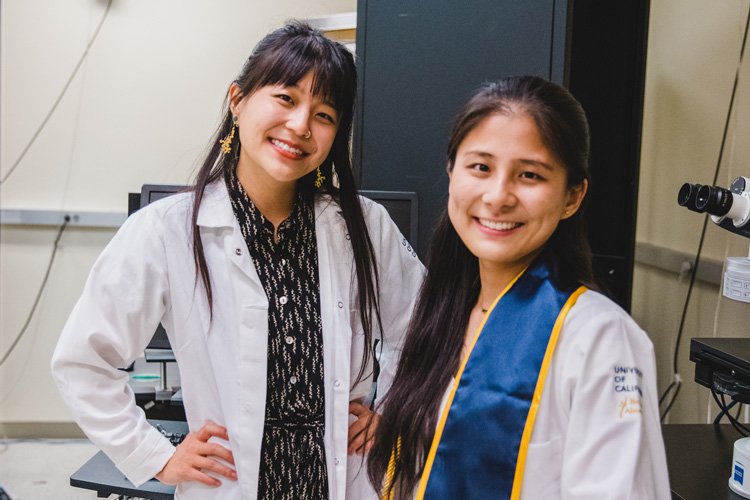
(723, 364)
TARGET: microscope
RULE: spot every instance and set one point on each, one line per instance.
(723, 364)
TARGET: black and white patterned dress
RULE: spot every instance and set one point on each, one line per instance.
(292, 464)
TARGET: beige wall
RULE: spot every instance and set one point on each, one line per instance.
(693, 53)
(141, 109)
(148, 97)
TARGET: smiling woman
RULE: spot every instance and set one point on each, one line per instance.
(516, 379)
(507, 194)
(286, 133)
(273, 283)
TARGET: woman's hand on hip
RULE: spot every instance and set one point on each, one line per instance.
(193, 456)
(362, 430)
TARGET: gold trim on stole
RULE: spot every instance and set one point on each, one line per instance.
(526, 437)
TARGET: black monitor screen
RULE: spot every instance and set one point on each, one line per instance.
(403, 208)
(153, 192)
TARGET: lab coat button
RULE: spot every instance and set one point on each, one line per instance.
(238, 251)
(293, 380)
(341, 304)
(337, 383)
(336, 461)
(283, 300)
(289, 339)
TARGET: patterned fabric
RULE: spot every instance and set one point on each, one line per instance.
(292, 465)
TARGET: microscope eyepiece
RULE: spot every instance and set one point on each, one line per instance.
(714, 200)
(687, 196)
(728, 208)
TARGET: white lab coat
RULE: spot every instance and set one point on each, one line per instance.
(585, 444)
(597, 434)
(146, 275)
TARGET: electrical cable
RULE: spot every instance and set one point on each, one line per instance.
(721, 414)
(41, 289)
(705, 220)
(678, 385)
(735, 423)
(737, 426)
(59, 98)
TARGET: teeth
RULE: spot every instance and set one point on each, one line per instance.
(499, 226)
(286, 147)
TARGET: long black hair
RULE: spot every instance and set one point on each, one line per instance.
(284, 57)
(435, 338)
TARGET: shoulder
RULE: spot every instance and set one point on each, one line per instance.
(329, 210)
(594, 306)
(175, 204)
(595, 318)
(373, 211)
(166, 212)
(162, 223)
(598, 341)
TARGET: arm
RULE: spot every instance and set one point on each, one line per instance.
(125, 297)
(122, 302)
(613, 445)
(401, 274)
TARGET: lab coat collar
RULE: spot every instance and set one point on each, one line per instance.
(216, 208)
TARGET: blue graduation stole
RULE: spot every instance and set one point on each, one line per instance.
(480, 443)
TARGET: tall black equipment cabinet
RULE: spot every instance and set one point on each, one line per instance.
(419, 61)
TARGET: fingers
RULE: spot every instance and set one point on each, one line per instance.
(176, 471)
(211, 429)
(362, 431)
(356, 438)
(358, 409)
(216, 450)
(209, 464)
(195, 455)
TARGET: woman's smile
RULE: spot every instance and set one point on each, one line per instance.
(287, 149)
(498, 226)
(278, 123)
(507, 192)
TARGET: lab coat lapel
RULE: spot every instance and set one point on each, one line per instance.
(217, 220)
(335, 275)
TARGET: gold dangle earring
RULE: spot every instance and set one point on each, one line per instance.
(319, 178)
(226, 143)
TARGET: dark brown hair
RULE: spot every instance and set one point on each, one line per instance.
(284, 57)
(432, 350)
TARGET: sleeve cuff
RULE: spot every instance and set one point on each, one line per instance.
(148, 459)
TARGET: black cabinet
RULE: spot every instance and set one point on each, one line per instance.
(419, 61)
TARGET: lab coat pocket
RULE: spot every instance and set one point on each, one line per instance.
(542, 473)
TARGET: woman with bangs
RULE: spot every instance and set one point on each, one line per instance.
(272, 278)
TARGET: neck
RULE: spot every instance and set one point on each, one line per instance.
(494, 279)
(275, 200)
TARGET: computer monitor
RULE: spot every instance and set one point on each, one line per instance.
(402, 206)
(153, 192)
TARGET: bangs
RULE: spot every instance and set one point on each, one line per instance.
(289, 63)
